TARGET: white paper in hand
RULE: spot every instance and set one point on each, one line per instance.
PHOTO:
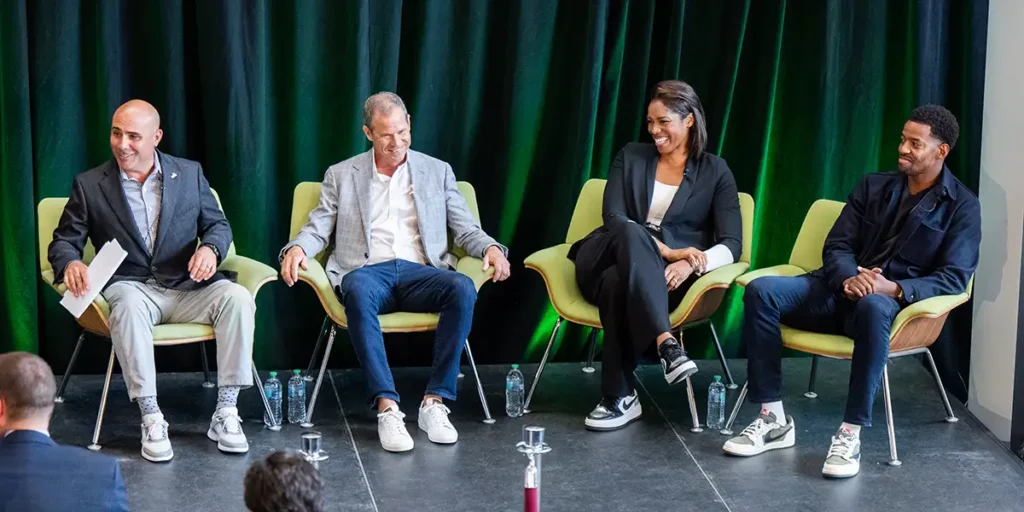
(100, 271)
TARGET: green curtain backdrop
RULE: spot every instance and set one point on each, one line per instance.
(526, 99)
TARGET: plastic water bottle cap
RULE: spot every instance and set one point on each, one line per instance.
(297, 372)
(718, 378)
(515, 367)
(273, 374)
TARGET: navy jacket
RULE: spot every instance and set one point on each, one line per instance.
(936, 253)
(704, 212)
(38, 474)
(98, 210)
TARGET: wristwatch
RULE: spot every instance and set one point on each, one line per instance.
(216, 252)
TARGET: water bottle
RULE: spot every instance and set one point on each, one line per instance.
(514, 392)
(716, 404)
(273, 390)
(296, 398)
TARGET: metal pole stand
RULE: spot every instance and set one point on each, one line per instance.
(534, 447)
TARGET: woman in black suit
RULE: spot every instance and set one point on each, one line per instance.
(671, 214)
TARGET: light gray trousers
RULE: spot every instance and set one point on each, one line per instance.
(136, 307)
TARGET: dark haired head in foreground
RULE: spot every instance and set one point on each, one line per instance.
(283, 482)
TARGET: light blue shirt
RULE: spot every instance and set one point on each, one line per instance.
(144, 201)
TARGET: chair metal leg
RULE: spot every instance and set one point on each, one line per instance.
(540, 369)
(727, 431)
(208, 384)
(479, 386)
(950, 417)
(59, 398)
(810, 383)
(730, 383)
(103, 404)
(894, 460)
(316, 350)
(693, 407)
(589, 368)
(263, 395)
(320, 378)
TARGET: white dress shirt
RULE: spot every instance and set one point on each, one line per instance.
(394, 225)
(717, 256)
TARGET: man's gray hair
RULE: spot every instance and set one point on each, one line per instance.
(381, 103)
(27, 385)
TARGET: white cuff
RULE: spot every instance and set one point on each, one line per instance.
(717, 256)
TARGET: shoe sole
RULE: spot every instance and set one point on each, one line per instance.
(609, 426)
(437, 441)
(396, 449)
(827, 473)
(223, 447)
(151, 458)
(681, 373)
(787, 441)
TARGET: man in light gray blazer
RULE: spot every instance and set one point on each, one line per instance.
(389, 211)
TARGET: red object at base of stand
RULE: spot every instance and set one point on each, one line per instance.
(531, 500)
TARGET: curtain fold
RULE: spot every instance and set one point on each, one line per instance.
(526, 99)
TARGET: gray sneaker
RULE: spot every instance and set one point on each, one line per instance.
(156, 446)
(226, 431)
(762, 435)
(843, 460)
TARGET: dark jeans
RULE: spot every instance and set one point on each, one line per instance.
(623, 273)
(806, 303)
(400, 285)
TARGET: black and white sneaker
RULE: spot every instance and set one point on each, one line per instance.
(843, 460)
(614, 413)
(673, 359)
(762, 435)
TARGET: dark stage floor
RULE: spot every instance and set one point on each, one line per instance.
(654, 464)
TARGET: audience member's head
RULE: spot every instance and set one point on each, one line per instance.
(27, 388)
(283, 482)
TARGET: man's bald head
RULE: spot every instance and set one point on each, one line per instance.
(27, 388)
(134, 135)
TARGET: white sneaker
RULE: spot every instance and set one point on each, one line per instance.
(843, 458)
(433, 420)
(764, 434)
(226, 431)
(391, 430)
(156, 446)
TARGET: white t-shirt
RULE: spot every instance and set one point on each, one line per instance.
(662, 199)
(394, 225)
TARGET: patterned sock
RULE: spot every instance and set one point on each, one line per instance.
(853, 429)
(147, 405)
(227, 396)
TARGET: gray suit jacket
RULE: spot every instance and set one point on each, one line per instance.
(344, 212)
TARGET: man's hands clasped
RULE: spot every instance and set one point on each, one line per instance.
(867, 282)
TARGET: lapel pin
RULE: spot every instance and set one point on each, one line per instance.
(174, 175)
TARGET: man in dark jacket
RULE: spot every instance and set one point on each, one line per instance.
(160, 209)
(35, 472)
(901, 238)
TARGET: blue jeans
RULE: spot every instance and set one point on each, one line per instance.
(400, 285)
(806, 303)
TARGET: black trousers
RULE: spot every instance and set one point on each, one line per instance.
(621, 271)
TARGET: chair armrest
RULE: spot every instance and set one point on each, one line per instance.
(778, 270)
(558, 271)
(316, 277)
(100, 302)
(723, 275)
(933, 307)
(470, 267)
(251, 273)
(690, 309)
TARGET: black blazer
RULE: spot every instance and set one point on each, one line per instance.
(704, 212)
(98, 210)
(937, 251)
(38, 474)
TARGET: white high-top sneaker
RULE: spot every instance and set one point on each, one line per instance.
(156, 446)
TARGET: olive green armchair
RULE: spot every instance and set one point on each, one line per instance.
(251, 274)
(914, 330)
(699, 303)
(305, 199)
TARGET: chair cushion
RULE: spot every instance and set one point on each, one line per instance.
(778, 270)
(830, 345)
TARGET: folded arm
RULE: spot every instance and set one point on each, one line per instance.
(466, 231)
(316, 234)
(957, 258)
(71, 234)
(212, 225)
(843, 242)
